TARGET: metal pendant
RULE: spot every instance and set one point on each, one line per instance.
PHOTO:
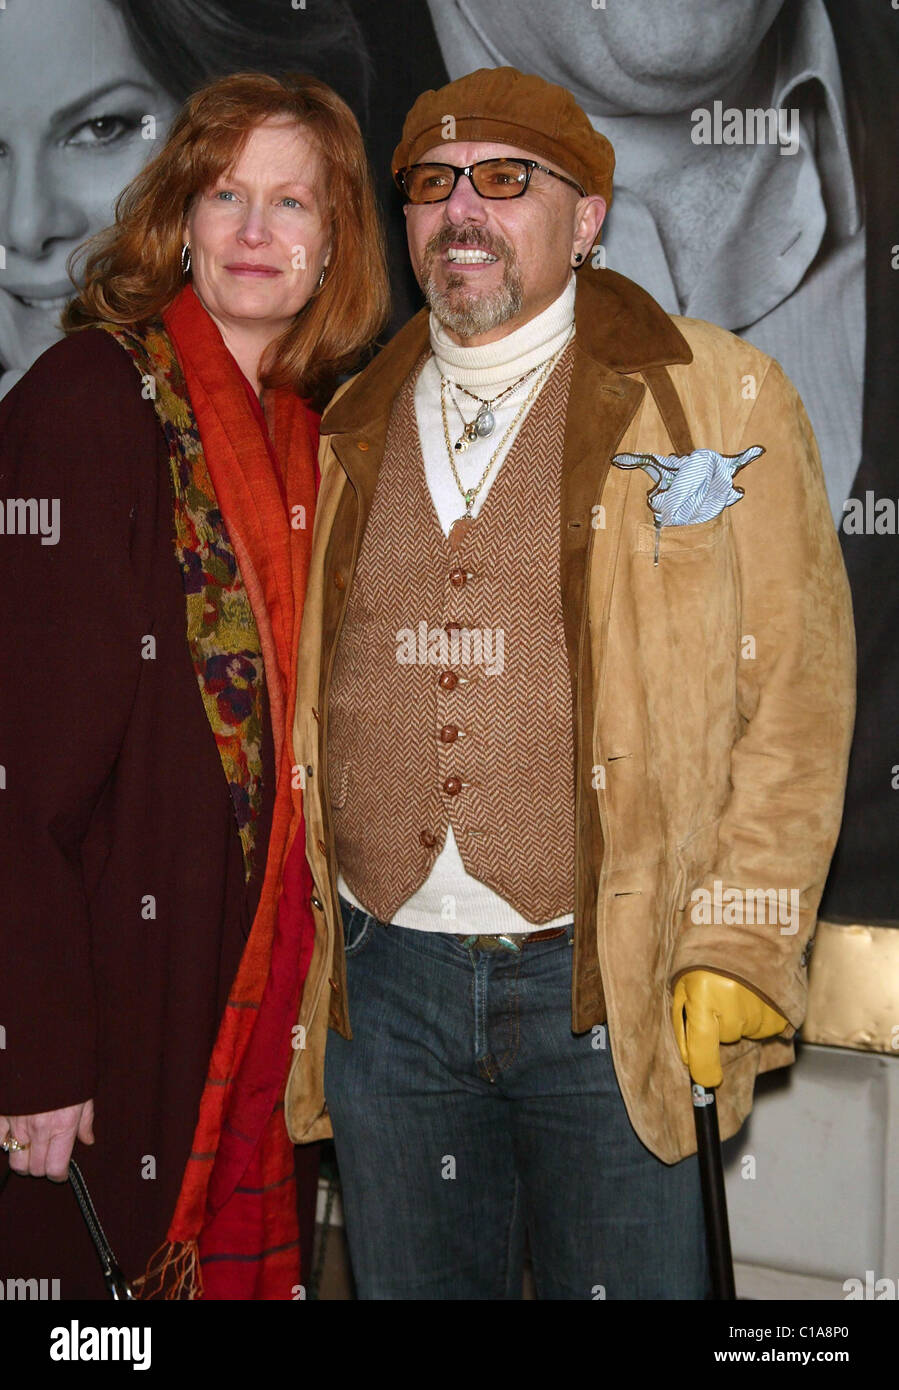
(468, 436)
(484, 422)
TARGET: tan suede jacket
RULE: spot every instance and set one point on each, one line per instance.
(713, 696)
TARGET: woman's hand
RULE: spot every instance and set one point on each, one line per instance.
(50, 1137)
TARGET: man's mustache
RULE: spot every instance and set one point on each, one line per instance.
(467, 236)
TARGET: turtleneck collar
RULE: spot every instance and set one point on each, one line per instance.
(495, 364)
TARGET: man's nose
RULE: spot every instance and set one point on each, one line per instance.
(464, 204)
(39, 210)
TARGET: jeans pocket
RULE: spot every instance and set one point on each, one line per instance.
(358, 927)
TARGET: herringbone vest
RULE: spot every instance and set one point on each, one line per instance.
(425, 730)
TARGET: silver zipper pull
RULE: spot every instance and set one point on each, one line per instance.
(658, 526)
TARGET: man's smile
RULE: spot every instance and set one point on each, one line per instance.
(469, 255)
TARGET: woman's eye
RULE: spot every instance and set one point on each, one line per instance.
(224, 194)
(291, 202)
(102, 130)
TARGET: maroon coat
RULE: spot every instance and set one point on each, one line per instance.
(114, 792)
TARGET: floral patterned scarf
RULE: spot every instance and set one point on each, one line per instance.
(242, 541)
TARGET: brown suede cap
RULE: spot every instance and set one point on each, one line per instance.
(508, 107)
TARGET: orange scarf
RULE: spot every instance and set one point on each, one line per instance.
(234, 1231)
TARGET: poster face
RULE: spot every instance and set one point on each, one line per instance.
(755, 188)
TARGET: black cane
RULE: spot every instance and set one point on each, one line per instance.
(714, 1199)
(115, 1281)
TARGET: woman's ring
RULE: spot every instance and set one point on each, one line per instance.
(11, 1144)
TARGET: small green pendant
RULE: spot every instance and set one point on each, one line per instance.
(469, 497)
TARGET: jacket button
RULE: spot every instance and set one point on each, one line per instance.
(363, 444)
(449, 733)
(452, 785)
(317, 902)
(334, 985)
(458, 577)
(339, 580)
(448, 680)
(427, 839)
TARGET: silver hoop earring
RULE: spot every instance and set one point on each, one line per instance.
(185, 257)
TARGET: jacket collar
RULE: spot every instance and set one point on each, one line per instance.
(617, 324)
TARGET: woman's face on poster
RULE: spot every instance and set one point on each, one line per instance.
(79, 117)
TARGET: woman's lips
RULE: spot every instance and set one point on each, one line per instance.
(265, 272)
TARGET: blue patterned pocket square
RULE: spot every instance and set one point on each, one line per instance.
(690, 487)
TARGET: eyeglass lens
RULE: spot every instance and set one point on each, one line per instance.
(492, 178)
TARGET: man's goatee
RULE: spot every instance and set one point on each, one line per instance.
(469, 315)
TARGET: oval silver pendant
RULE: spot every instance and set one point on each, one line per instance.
(485, 423)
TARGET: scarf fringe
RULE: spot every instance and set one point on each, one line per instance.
(174, 1269)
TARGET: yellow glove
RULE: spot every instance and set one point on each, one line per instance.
(719, 1009)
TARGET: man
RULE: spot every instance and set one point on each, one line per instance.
(574, 716)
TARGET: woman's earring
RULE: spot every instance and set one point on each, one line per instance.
(579, 257)
(321, 279)
(185, 257)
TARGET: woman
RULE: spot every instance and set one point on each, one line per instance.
(88, 89)
(153, 876)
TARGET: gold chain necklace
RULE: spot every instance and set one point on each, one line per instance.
(484, 422)
(469, 494)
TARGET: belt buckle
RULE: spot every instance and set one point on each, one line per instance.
(492, 943)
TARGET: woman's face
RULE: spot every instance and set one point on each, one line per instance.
(74, 130)
(259, 237)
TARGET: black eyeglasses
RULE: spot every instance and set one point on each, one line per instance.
(490, 178)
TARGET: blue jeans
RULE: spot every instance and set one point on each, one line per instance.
(465, 1111)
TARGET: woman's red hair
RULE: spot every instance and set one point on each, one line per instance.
(132, 270)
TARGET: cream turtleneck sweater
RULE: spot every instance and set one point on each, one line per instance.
(487, 371)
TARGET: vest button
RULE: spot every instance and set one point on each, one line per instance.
(449, 733)
(363, 444)
(452, 785)
(339, 580)
(458, 577)
(448, 680)
(427, 839)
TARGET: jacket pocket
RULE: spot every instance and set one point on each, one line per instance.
(338, 782)
(677, 540)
